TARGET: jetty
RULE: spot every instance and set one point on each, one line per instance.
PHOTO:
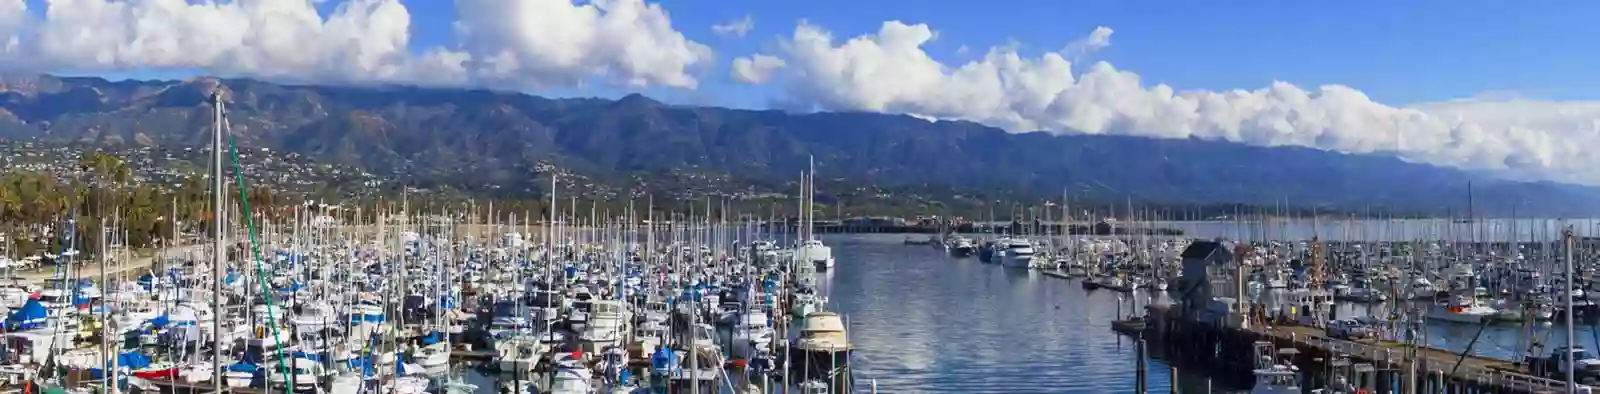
(1205, 327)
(1227, 353)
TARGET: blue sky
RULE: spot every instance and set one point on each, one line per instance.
(1398, 52)
(1502, 87)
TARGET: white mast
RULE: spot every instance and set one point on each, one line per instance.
(218, 248)
(811, 191)
(1567, 240)
(800, 221)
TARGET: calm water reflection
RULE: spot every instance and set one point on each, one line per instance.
(928, 323)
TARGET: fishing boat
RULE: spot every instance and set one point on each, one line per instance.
(823, 351)
(608, 321)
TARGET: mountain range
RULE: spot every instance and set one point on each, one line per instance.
(481, 137)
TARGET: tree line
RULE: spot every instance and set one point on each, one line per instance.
(40, 211)
(36, 208)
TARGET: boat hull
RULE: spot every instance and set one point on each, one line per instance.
(823, 264)
(1455, 317)
(1017, 261)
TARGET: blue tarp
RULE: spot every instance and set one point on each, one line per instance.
(31, 315)
(133, 360)
(293, 286)
(362, 363)
(243, 367)
(432, 338)
(663, 359)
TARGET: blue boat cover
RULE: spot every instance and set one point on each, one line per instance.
(133, 360)
(31, 315)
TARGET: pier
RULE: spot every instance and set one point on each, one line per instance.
(1228, 352)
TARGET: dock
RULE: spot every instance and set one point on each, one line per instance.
(1226, 351)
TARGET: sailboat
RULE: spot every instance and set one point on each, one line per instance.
(811, 249)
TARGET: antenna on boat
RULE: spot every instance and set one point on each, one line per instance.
(218, 248)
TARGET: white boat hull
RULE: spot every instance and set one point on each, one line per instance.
(1022, 261)
(1459, 317)
(237, 379)
(824, 264)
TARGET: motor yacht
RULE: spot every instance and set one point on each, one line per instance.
(1018, 252)
(1461, 308)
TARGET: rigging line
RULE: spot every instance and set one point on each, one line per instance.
(255, 252)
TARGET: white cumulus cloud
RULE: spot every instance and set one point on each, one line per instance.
(889, 71)
(555, 42)
(1097, 40)
(736, 28)
(502, 43)
(757, 68)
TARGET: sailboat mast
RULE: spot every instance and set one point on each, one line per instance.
(811, 192)
(800, 209)
(217, 248)
(1568, 242)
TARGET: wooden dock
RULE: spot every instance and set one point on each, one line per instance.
(1482, 371)
(1229, 353)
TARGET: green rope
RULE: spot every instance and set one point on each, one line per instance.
(255, 250)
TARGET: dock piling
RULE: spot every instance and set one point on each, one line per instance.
(1142, 377)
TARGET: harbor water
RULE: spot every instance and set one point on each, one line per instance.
(930, 323)
(926, 322)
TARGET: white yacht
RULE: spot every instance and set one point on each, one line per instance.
(519, 353)
(1018, 252)
(959, 246)
(814, 252)
(608, 321)
(1462, 308)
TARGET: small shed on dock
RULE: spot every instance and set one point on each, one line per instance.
(1203, 262)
